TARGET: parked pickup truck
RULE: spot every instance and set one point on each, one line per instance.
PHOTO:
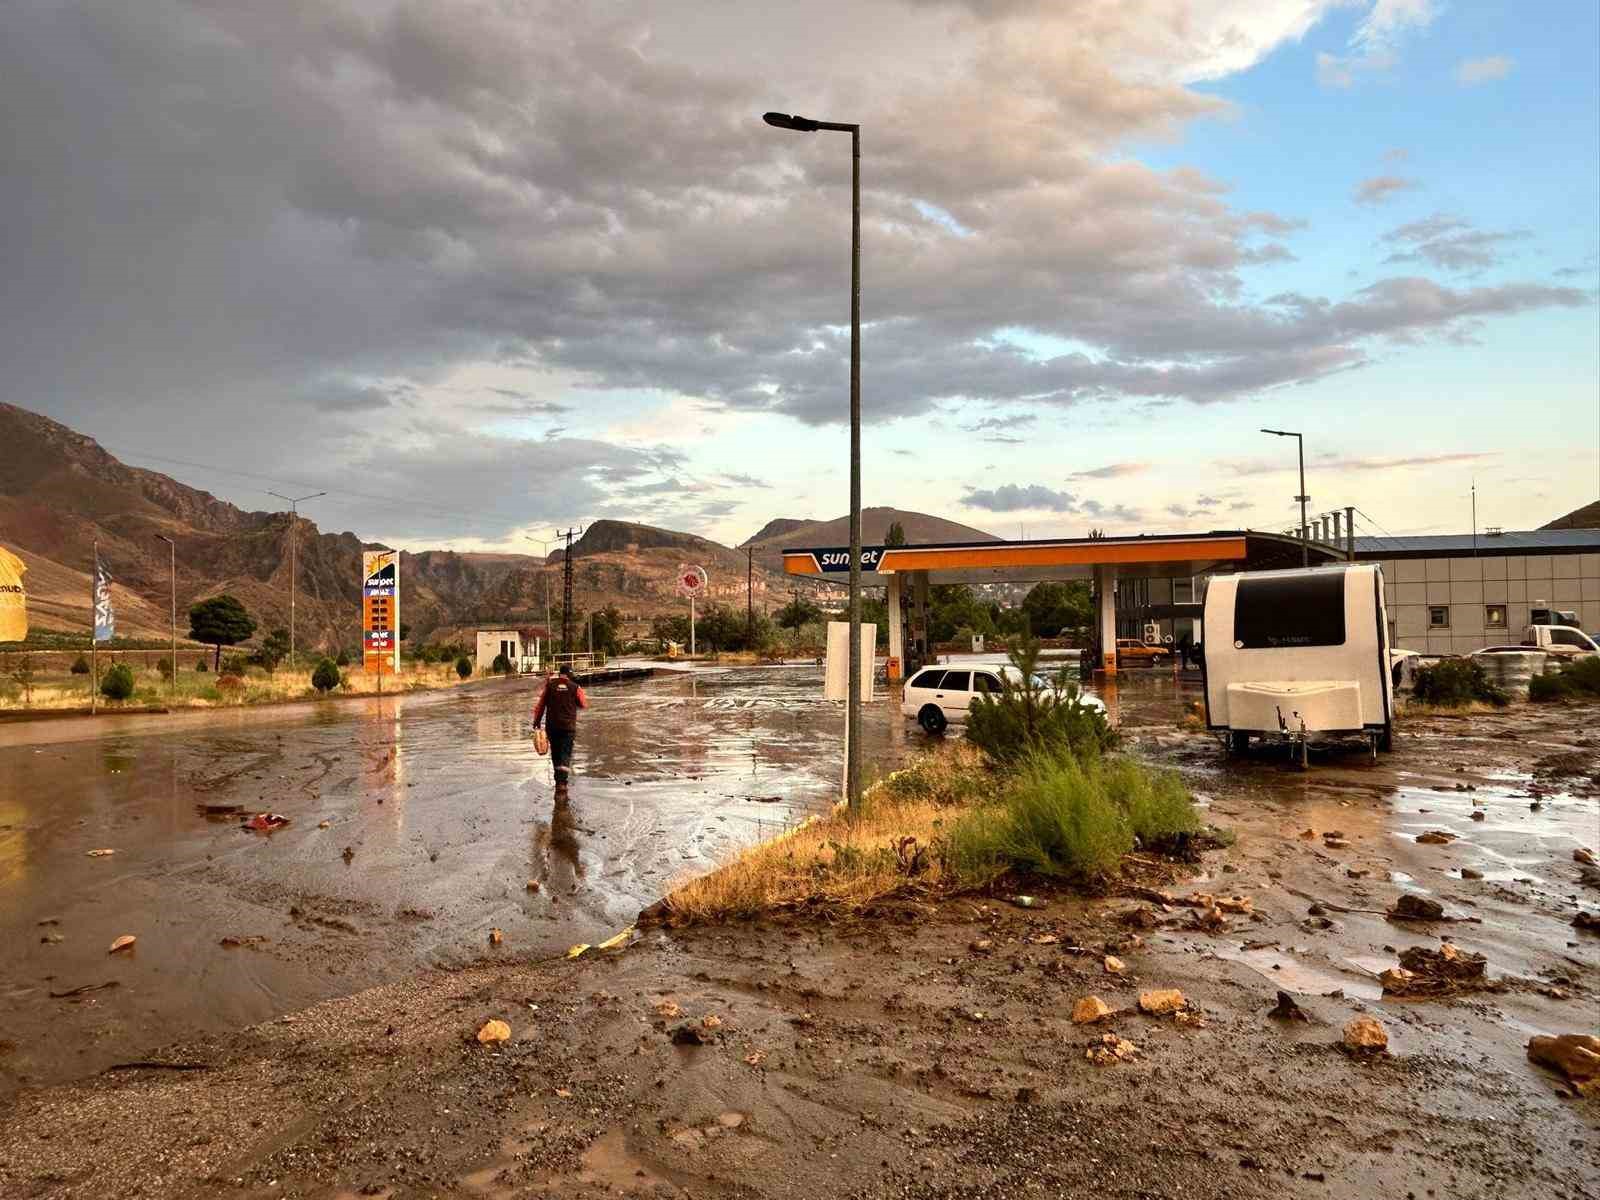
(1559, 641)
(1131, 651)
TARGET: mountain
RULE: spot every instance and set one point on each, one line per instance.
(919, 528)
(776, 528)
(62, 495)
(1587, 517)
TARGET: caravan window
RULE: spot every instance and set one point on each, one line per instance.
(1293, 610)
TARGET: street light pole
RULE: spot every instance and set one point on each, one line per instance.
(852, 743)
(294, 537)
(1305, 532)
(172, 553)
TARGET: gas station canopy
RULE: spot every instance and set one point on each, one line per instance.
(1164, 554)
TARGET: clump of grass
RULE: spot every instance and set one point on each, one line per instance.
(951, 775)
(1069, 818)
(1575, 680)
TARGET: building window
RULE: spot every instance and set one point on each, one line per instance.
(1494, 616)
(1439, 616)
(1183, 591)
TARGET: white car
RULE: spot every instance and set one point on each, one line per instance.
(937, 697)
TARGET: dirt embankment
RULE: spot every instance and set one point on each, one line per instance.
(922, 1051)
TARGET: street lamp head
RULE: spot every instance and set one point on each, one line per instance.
(787, 121)
(1281, 432)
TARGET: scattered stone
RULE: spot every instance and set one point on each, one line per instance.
(1477, 814)
(348, 853)
(1584, 855)
(1308, 835)
(1030, 902)
(324, 824)
(1160, 1002)
(1574, 1055)
(1436, 837)
(982, 945)
(1357, 872)
(1587, 922)
(1431, 972)
(1114, 965)
(1287, 1009)
(494, 1032)
(1365, 1035)
(690, 1034)
(1396, 979)
(51, 939)
(1335, 843)
(1469, 873)
(1089, 1010)
(533, 885)
(668, 1010)
(496, 937)
(1189, 1018)
(1319, 924)
(125, 942)
(1140, 918)
(711, 1022)
(755, 1058)
(1411, 907)
(1111, 1049)
(99, 853)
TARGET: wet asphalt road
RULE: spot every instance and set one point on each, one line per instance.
(438, 814)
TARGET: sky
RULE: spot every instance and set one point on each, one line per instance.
(480, 269)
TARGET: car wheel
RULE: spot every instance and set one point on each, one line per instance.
(1238, 741)
(932, 720)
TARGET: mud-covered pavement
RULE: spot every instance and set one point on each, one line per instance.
(928, 1051)
(416, 824)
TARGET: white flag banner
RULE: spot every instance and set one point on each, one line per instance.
(105, 619)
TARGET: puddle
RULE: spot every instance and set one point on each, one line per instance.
(1298, 977)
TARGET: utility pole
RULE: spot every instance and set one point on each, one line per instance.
(294, 537)
(750, 595)
(544, 574)
(94, 632)
(566, 589)
(172, 552)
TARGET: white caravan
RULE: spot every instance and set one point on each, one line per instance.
(1292, 653)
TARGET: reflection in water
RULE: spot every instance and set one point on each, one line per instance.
(557, 858)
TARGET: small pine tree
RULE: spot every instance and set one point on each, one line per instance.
(118, 682)
(200, 666)
(464, 667)
(326, 676)
(164, 667)
(501, 665)
(80, 666)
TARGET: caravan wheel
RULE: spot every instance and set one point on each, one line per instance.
(1238, 742)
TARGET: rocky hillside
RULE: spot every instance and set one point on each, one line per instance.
(61, 494)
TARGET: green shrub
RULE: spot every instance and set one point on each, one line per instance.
(1029, 715)
(200, 667)
(948, 776)
(1066, 816)
(1580, 678)
(117, 683)
(501, 665)
(1454, 682)
(80, 666)
(235, 664)
(164, 667)
(326, 676)
(464, 667)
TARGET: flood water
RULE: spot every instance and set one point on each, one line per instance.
(438, 816)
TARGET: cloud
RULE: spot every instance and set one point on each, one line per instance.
(1374, 45)
(1112, 471)
(1473, 71)
(998, 424)
(1264, 466)
(1381, 188)
(1449, 242)
(578, 205)
(1011, 497)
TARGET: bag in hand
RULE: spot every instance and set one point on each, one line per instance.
(541, 742)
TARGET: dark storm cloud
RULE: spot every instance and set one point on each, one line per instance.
(213, 209)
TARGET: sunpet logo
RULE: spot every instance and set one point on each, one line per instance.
(11, 587)
(839, 560)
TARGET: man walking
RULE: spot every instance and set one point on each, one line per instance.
(558, 707)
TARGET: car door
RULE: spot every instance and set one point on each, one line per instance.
(921, 689)
(955, 694)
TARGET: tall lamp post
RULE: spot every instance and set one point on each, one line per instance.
(798, 124)
(1305, 532)
(294, 536)
(172, 554)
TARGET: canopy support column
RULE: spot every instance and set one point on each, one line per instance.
(1105, 582)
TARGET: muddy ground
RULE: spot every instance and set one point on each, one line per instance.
(927, 1050)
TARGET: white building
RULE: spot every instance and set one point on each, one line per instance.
(520, 646)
